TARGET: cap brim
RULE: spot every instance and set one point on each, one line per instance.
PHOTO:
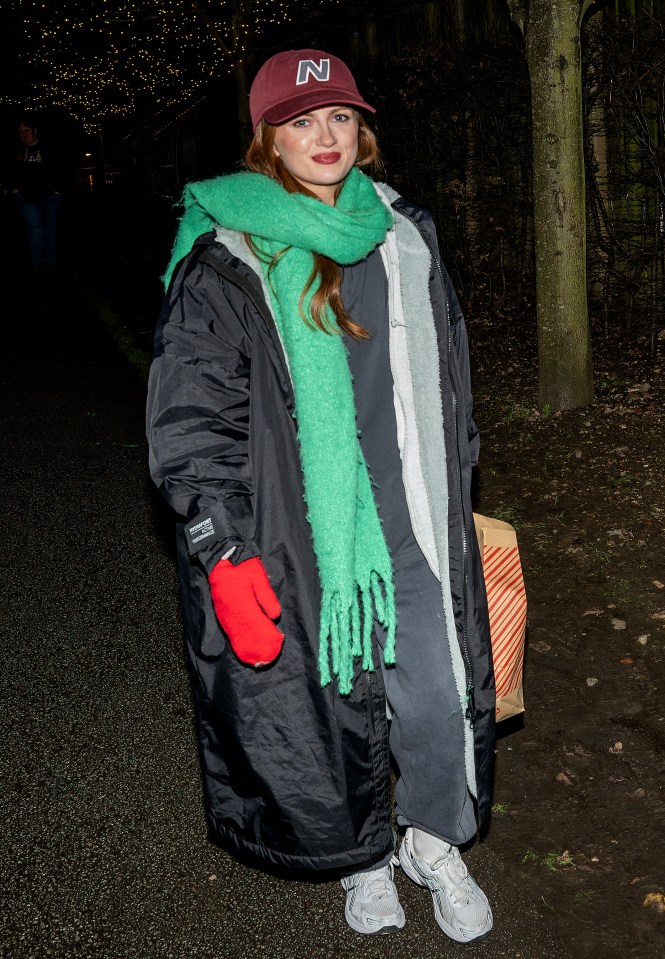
(305, 102)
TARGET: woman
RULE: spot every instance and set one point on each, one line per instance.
(310, 340)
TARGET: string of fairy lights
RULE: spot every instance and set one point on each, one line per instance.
(101, 57)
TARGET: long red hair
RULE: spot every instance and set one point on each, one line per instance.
(261, 158)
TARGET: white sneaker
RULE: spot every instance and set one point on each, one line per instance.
(460, 906)
(372, 904)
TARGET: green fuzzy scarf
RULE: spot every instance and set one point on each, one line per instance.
(353, 560)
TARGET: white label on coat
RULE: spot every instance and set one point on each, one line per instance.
(202, 530)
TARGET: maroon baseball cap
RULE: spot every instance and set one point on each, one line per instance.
(296, 81)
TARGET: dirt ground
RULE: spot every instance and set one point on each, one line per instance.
(579, 790)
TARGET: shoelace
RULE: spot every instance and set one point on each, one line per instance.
(457, 865)
(377, 887)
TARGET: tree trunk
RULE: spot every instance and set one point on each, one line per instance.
(564, 341)
(460, 23)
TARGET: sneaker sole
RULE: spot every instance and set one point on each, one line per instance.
(382, 931)
(409, 870)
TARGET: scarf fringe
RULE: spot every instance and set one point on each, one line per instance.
(346, 631)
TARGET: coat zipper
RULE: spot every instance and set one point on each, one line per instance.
(370, 702)
(470, 697)
(470, 712)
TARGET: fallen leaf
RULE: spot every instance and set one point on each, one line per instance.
(540, 647)
(619, 623)
(562, 778)
(656, 900)
(591, 681)
(593, 612)
(657, 583)
(627, 661)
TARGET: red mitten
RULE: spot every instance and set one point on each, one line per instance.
(246, 605)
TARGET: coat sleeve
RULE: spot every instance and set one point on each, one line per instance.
(198, 413)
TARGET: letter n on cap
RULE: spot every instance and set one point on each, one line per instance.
(320, 71)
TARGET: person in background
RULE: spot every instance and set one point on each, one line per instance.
(36, 180)
(310, 422)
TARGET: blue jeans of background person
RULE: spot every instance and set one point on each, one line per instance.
(40, 218)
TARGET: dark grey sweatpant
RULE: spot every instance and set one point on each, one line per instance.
(426, 729)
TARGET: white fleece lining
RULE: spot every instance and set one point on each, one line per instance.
(405, 412)
(425, 474)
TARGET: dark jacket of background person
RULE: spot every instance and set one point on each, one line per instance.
(37, 172)
(295, 775)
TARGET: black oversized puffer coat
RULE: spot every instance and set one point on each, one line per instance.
(295, 776)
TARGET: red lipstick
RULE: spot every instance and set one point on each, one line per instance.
(326, 157)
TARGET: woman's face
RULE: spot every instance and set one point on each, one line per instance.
(319, 148)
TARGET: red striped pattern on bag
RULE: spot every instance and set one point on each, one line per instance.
(506, 601)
